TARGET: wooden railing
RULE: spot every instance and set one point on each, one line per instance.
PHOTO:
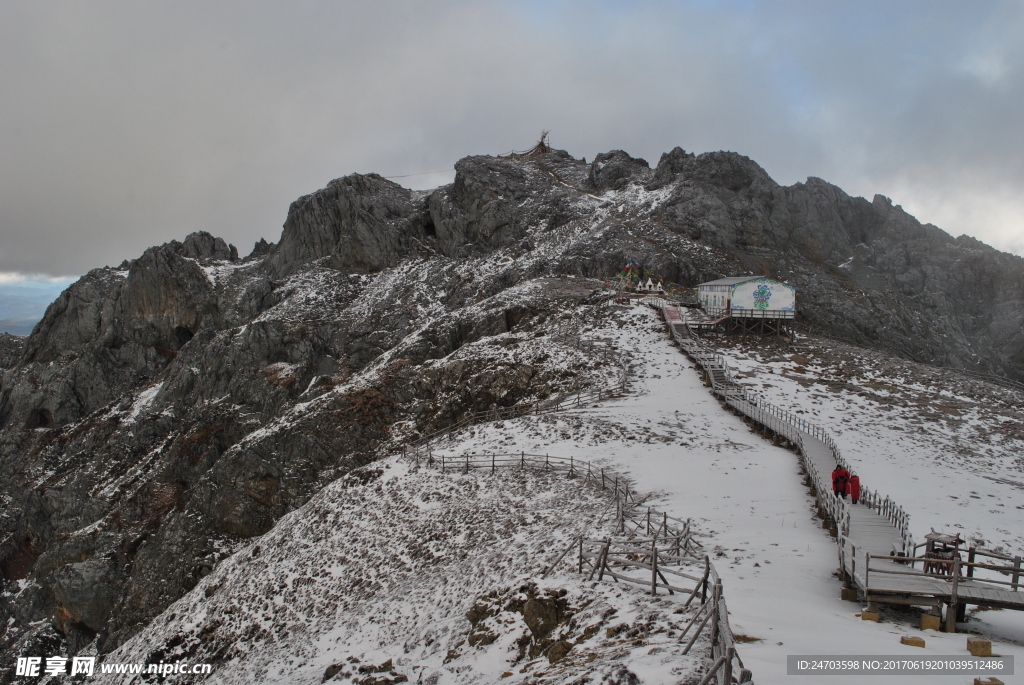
(645, 540)
(953, 573)
(793, 428)
(605, 478)
(955, 568)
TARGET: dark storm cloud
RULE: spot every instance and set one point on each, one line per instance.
(124, 125)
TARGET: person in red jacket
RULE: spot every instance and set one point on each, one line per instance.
(853, 487)
(835, 481)
(842, 480)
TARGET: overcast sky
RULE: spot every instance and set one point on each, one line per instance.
(124, 125)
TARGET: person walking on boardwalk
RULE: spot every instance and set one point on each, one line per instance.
(842, 481)
(835, 481)
(853, 487)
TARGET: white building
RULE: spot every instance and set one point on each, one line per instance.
(748, 297)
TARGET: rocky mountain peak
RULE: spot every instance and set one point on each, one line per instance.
(165, 411)
(360, 223)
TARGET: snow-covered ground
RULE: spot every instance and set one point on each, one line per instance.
(948, 448)
(777, 563)
(412, 564)
(398, 571)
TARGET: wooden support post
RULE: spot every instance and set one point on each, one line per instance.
(603, 558)
(716, 594)
(704, 583)
(492, 462)
(1016, 574)
(581, 555)
(951, 610)
(730, 654)
(707, 615)
(654, 566)
(970, 560)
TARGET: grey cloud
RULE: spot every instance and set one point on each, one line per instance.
(124, 124)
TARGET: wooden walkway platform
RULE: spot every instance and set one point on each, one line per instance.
(877, 554)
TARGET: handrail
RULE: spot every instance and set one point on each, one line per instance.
(957, 565)
(789, 425)
(666, 542)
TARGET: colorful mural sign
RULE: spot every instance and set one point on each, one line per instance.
(761, 296)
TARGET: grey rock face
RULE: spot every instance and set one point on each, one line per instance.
(495, 202)
(11, 347)
(616, 169)
(166, 411)
(360, 223)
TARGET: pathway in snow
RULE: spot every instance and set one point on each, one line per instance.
(876, 528)
(779, 567)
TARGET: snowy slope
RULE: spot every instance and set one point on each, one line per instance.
(778, 564)
(393, 569)
(425, 575)
(949, 448)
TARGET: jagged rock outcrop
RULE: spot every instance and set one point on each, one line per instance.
(496, 202)
(361, 224)
(11, 347)
(167, 410)
(615, 170)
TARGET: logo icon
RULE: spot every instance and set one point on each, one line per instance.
(762, 294)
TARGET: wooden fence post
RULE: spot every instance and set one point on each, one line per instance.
(716, 593)
(1016, 574)
(654, 566)
(704, 584)
(603, 558)
(952, 608)
(730, 654)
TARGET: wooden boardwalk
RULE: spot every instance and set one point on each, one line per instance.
(877, 554)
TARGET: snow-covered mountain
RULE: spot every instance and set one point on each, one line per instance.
(167, 414)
